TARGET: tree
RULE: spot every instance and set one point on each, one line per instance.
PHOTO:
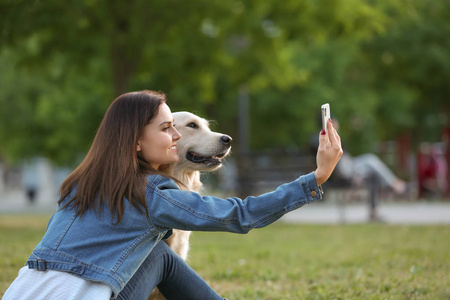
(413, 71)
(72, 58)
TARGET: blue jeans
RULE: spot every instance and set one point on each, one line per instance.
(171, 274)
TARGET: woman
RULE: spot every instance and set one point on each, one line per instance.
(115, 208)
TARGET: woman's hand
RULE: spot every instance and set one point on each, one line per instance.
(328, 153)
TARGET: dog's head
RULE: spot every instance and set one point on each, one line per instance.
(199, 148)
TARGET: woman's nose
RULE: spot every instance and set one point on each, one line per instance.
(176, 135)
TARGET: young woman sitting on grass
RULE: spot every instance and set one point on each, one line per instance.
(104, 241)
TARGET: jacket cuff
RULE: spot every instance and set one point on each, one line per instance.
(312, 191)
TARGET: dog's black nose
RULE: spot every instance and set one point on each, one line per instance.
(226, 139)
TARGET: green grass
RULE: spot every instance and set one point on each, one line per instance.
(327, 262)
(371, 261)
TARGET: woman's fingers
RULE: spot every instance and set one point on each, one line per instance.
(328, 154)
(323, 140)
(335, 139)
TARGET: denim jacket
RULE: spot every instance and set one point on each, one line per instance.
(93, 247)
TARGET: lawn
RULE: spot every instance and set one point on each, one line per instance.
(371, 261)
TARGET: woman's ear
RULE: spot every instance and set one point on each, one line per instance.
(138, 147)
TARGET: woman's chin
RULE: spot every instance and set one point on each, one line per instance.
(174, 160)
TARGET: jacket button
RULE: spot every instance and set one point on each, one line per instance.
(313, 193)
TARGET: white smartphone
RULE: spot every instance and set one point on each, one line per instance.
(325, 115)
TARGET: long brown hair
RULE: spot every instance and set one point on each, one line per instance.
(112, 169)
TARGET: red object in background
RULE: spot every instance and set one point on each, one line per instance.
(446, 141)
(427, 168)
(432, 170)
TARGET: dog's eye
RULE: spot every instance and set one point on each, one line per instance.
(192, 125)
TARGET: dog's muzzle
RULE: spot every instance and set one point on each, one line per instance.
(214, 160)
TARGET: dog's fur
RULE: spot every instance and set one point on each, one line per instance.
(199, 150)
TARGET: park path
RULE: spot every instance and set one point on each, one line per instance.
(391, 213)
(424, 212)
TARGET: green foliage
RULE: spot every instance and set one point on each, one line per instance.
(383, 66)
(414, 70)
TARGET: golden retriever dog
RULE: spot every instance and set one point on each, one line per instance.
(199, 150)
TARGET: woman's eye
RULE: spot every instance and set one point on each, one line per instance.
(166, 128)
(192, 125)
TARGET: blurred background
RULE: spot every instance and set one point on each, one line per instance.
(259, 69)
